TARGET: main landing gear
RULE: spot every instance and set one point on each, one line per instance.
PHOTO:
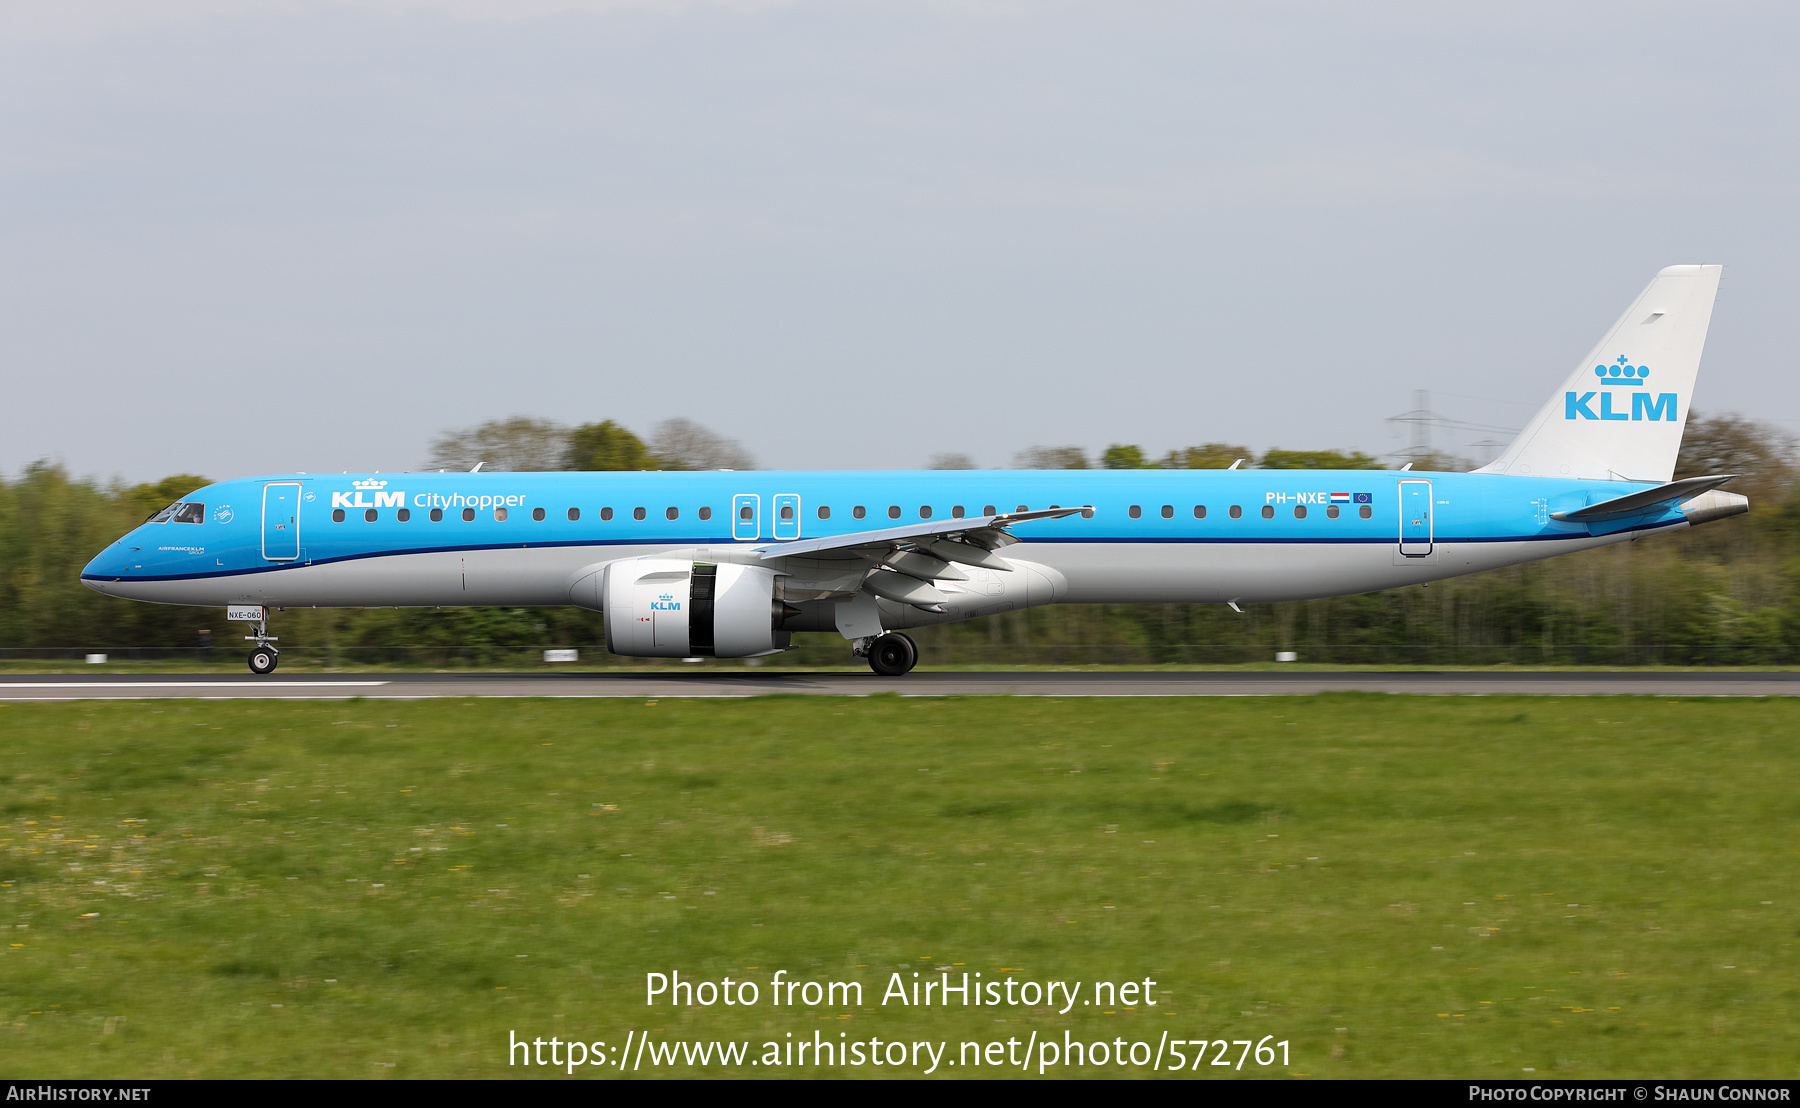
(263, 659)
(891, 655)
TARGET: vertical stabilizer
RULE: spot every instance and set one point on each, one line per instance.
(1620, 415)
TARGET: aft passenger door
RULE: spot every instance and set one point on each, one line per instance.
(746, 512)
(281, 521)
(1415, 518)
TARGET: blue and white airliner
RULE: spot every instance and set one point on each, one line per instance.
(731, 564)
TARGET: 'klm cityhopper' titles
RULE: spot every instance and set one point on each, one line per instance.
(355, 499)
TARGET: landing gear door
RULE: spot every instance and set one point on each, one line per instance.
(281, 521)
(746, 516)
(787, 516)
(1415, 518)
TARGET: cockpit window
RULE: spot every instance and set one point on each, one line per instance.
(182, 511)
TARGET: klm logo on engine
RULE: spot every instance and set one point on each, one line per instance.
(665, 603)
(1621, 374)
(372, 487)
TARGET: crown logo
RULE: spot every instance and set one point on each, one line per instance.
(370, 483)
(1622, 373)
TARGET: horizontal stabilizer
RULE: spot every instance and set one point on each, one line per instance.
(1637, 503)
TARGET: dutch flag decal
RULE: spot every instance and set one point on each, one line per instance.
(1340, 498)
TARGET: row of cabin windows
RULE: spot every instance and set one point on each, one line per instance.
(1236, 511)
(957, 511)
(437, 514)
(745, 512)
(787, 512)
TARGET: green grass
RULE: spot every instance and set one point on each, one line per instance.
(1397, 886)
(599, 662)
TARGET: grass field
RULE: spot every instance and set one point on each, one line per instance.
(1395, 886)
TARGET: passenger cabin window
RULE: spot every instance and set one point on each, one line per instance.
(1087, 513)
(638, 513)
(1268, 511)
(574, 514)
(500, 515)
(1199, 511)
(1168, 511)
(987, 509)
(746, 512)
(824, 512)
(606, 514)
(1331, 512)
(924, 511)
(1134, 511)
(403, 515)
(371, 515)
(705, 513)
(787, 511)
(672, 513)
(1021, 508)
(956, 511)
(468, 515)
(1365, 511)
(893, 511)
(337, 515)
(858, 512)
(190, 512)
(1299, 511)
(437, 515)
(537, 514)
(1236, 512)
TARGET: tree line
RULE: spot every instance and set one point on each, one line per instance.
(1728, 592)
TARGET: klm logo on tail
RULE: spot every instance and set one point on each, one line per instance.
(1576, 405)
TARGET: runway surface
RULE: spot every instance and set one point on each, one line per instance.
(649, 686)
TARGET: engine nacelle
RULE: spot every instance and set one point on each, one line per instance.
(664, 608)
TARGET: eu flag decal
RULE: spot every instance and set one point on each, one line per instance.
(1364, 498)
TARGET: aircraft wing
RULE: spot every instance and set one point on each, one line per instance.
(915, 564)
(985, 532)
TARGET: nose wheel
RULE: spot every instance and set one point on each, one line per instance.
(893, 655)
(264, 657)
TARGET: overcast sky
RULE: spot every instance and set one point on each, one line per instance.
(239, 237)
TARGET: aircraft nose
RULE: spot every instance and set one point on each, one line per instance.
(107, 566)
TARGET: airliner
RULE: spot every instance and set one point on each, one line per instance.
(731, 564)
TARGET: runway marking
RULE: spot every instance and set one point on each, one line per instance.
(187, 684)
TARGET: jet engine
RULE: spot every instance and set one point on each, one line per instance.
(664, 608)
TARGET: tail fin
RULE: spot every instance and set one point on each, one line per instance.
(1620, 415)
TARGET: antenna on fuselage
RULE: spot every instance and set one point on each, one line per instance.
(1235, 464)
(478, 466)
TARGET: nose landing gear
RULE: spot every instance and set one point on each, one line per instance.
(264, 657)
(892, 654)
